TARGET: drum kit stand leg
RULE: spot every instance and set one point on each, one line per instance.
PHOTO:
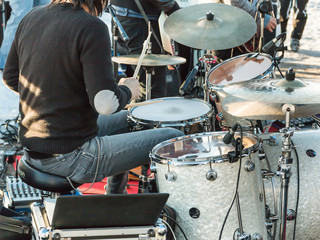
(285, 162)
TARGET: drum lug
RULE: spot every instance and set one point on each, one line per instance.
(291, 215)
(249, 166)
(171, 176)
(238, 236)
(256, 236)
(153, 167)
(211, 175)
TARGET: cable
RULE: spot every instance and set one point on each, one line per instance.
(298, 190)
(168, 225)
(237, 184)
(9, 130)
(173, 220)
(95, 174)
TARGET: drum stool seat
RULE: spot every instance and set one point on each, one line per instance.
(42, 180)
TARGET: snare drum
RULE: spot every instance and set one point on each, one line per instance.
(307, 147)
(240, 68)
(171, 112)
(196, 172)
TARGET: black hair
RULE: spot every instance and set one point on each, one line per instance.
(96, 7)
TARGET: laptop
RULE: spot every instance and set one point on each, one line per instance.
(100, 211)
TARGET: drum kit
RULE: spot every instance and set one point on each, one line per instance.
(221, 190)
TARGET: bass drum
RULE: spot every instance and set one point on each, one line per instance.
(307, 154)
(195, 170)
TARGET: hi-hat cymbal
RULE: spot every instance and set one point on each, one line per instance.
(277, 91)
(211, 26)
(257, 110)
(150, 60)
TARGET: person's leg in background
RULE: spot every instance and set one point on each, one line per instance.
(19, 9)
(299, 24)
(285, 7)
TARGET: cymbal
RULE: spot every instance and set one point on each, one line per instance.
(275, 90)
(258, 110)
(193, 27)
(151, 60)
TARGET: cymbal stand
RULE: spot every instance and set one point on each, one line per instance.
(208, 59)
(284, 164)
(149, 72)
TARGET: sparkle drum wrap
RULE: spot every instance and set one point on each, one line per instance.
(307, 143)
(183, 167)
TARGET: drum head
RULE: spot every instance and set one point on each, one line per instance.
(198, 149)
(240, 68)
(173, 109)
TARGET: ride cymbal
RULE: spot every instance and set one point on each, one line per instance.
(151, 60)
(277, 91)
(211, 26)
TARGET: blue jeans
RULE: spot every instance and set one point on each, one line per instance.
(113, 152)
(19, 9)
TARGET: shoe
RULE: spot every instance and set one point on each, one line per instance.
(295, 44)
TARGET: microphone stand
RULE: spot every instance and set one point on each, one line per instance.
(264, 7)
(116, 26)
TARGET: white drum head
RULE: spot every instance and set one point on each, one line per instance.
(171, 110)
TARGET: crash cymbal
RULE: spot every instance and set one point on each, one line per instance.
(151, 60)
(275, 90)
(210, 26)
(258, 110)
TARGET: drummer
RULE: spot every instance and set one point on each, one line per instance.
(64, 85)
(132, 20)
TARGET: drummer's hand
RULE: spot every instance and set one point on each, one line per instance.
(271, 24)
(171, 67)
(133, 85)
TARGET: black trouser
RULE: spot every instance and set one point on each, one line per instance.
(137, 31)
(300, 18)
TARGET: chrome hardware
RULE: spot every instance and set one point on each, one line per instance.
(249, 166)
(256, 236)
(162, 230)
(211, 175)
(171, 176)
(44, 234)
(291, 215)
(238, 236)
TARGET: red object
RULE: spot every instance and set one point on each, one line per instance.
(98, 187)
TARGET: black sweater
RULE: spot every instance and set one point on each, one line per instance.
(59, 60)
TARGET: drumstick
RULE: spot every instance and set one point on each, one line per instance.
(141, 103)
(143, 53)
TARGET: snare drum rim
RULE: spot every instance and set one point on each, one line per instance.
(183, 123)
(200, 161)
(214, 86)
